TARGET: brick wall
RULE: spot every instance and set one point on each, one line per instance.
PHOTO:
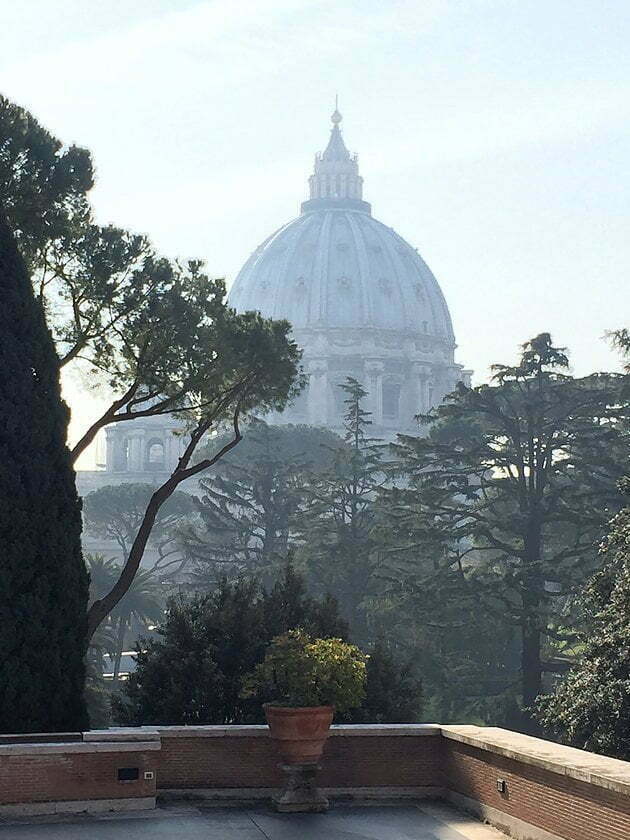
(244, 757)
(563, 806)
(41, 773)
(217, 762)
(551, 791)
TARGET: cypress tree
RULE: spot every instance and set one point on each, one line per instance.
(43, 580)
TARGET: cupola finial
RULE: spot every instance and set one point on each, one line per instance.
(336, 181)
(336, 116)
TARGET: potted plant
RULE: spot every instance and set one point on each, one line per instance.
(302, 682)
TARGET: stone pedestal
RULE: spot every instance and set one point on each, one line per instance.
(300, 793)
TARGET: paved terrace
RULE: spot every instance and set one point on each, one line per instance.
(429, 821)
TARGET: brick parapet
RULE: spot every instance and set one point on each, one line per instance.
(541, 799)
(551, 792)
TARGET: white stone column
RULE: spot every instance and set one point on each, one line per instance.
(374, 384)
(110, 464)
(318, 392)
(420, 374)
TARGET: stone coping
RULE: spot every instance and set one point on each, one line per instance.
(42, 738)
(80, 747)
(610, 773)
(122, 734)
(262, 730)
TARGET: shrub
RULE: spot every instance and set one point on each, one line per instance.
(301, 671)
(193, 671)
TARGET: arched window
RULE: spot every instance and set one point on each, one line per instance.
(155, 454)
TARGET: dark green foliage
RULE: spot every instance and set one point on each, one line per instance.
(509, 492)
(591, 706)
(158, 333)
(393, 694)
(299, 670)
(194, 671)
(336, 529)
(43, 582)
(42, 183)
(250, 501)
(287, 605)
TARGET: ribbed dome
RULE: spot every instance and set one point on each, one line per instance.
(362, 302)
(337, 267)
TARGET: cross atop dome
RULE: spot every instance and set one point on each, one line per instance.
(336, 116)
(336, 180)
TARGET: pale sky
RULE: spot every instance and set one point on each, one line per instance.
(494, 135)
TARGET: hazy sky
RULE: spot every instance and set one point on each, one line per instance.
(493, 135)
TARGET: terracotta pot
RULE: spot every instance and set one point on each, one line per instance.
(299, 733)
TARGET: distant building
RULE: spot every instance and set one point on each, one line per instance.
(362, 303)
(361, 300)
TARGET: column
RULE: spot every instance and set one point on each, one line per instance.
(374, 384)
(420, 375)
(110, 463)
(318, 392)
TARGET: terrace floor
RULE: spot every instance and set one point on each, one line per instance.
(424, 821)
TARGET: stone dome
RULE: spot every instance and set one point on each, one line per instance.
(338, 267)
(361, 300)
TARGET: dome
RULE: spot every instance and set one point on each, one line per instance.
(338, 267)
(361, 301)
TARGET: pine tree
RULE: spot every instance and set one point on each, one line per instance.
(337, 530)
(250, 501)
(43, 580)
(508, 494)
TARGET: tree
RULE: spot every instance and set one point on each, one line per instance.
(115, 512)
(243, 362)
(590, 708)
(43, 184)
(336, 529)
(194, 672)
(43, 580)
(510, 490)
(250, 501)
(141, 604)
(393, 693)
(160, 333)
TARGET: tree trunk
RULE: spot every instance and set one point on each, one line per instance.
(531, 665)
(103, 606)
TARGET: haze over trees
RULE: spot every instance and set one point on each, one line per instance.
(115, 512)
(453, 556)
(511, 489)
(249, 504)
(335, 532)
